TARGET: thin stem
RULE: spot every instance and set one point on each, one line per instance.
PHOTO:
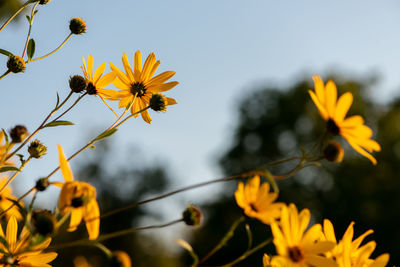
(15, 14)
(224, 240)
(5, 74)
(52, 52)
(112, 235)
(277, 162)
(15, 174)
(248, 253)
(40, 126)
(68, 109)
(120, 117)
(30, 28)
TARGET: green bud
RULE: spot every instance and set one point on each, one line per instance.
(16, 64)
(18, 134)
(42, 184)
(192, 215)
(36, 149)
(158, 102)
(77, 26)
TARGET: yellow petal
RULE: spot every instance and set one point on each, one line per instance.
(147, 67)
(120, 74)
(361, 151)
(320, 107)
(76, 218)
(99, 71)
(352, 121)
(329, 231)
(319, 89)
(343, 105)
(121, 85)
(11, 233)
(330, 98)
(127, 67)
(145, 114)
(153, 70)
(159, 88)
(171, 101)
(92, 220)
(84, 69)
(64, 166)
(160, 78)
(106, 80)
(137, 66)
(90, 67)
(38, 260)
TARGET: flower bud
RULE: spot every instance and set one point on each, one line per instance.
(158, 102)
(18, 134)
(77, 26)
(333, 152)
(43, 222)
(120, 259)
(43, 2)
(192, 215)
(42, 184)
(36, 149)
(16, 64)
(77, 83)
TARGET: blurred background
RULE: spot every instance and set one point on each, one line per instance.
(244, 71)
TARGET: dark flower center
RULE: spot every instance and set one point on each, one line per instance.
(91, 89)
(138, 89)
(296, 254)
(77, 202)
(332, 127)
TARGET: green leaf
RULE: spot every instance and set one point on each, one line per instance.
(31, 49)
(5, 52)
(58, 100)
(9, 168)
(58, 123)
(106, 134)
(28, 18)
(6, 138)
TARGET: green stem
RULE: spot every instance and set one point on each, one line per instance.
(30, 28)
(68, 109)
(5, 74)
(224, 240)
(52, 52)
(248, 253)
(40, 126)
(15, 14)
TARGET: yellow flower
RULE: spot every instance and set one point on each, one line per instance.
(19, 253)
(348, 252)
(297, 247)
(79, 198)
(257, 202)
(334, 110)
(139, 85)
(5, 201)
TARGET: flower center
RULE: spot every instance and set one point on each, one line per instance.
(296, 254)
(138, 89)
(77, 202)
(332, 127)
(91, 89)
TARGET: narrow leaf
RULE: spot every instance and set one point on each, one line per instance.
(9, 168)
(28, 18)
(106, 134)
(4, 242)
(31, 49)
(58, 123)
(58, 100)
(5, 52)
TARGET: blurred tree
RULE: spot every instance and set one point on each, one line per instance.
(132, 182)
(273, 123)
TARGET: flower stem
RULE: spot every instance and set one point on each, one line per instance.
(52, 52)
(15, 174)
(224, 240)
(30, 28)
(5, 74)
(18, 200)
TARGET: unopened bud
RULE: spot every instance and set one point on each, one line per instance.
(158, 102)
(43, 2)
(16, 64)
(333, 152)
(43, 222)
(36, 149)
(120, 259)
(77, 26)
(42, 184)
(18, 134)
(77, 83)
(192, 215)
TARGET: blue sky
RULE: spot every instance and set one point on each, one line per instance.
(219, 49)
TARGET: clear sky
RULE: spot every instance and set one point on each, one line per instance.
(220, 49)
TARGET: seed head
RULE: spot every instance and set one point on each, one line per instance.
(42, 184)
(36, 149)
(333, 152)
(77, 83)
(16, 64)
(192, 215)
(43, 222)
(77, 26)
(18, 133)
(158, 102)
(43, 2)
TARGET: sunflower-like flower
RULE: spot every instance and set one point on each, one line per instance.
(297, 247)
(18, 252)
(348, 252)
(139, 85)
(334, 111)
(78, 198)
(257, 201)
(6, 200)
